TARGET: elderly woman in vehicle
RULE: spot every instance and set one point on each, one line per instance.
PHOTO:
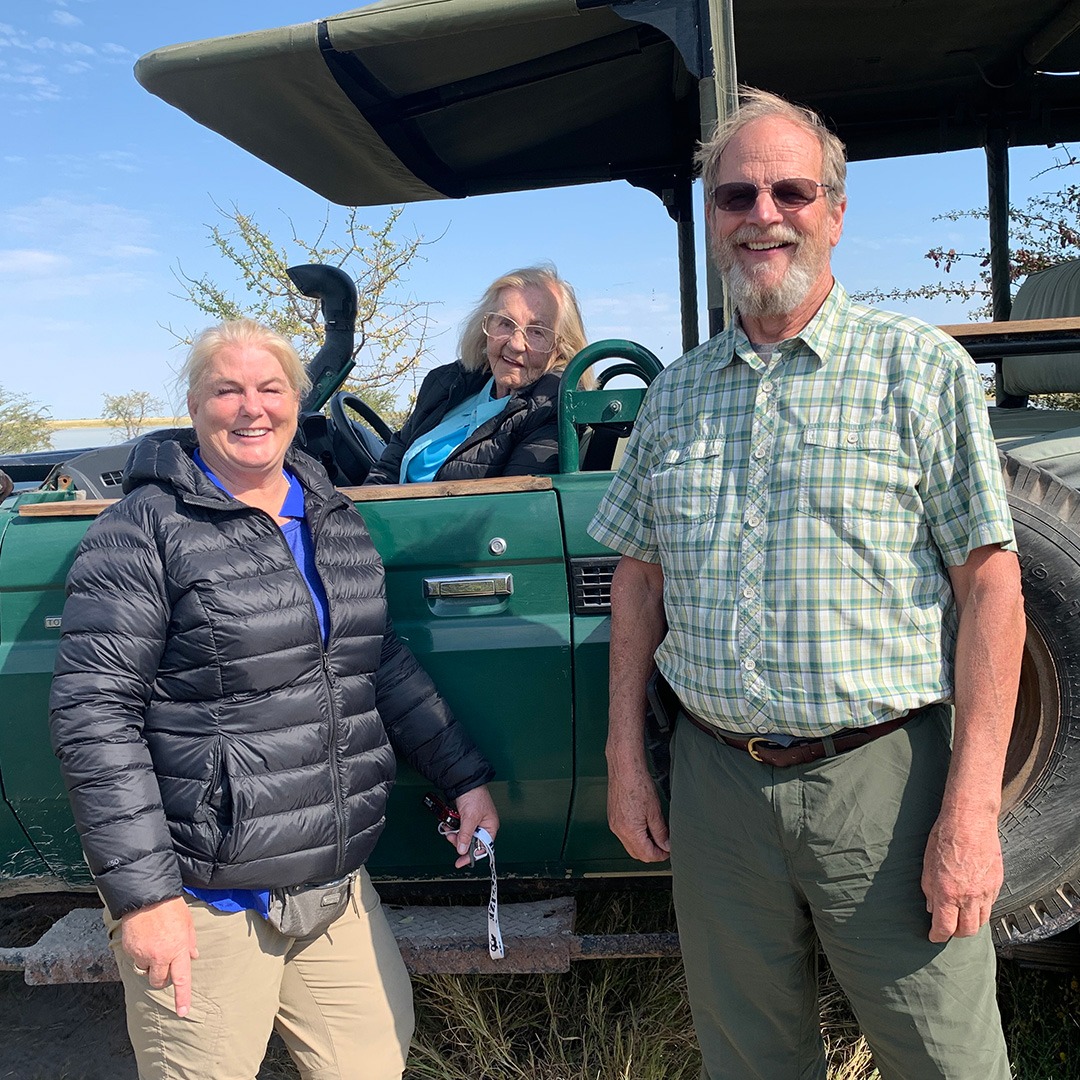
(228, 697)
(494, 412)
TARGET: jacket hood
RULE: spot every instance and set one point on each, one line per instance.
(165, 456)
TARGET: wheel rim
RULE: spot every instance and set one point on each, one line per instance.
(1036, 722)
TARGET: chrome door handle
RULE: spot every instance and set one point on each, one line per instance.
(451, 587)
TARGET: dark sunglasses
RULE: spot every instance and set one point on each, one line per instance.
(791, 194)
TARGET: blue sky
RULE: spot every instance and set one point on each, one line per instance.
(107, 190)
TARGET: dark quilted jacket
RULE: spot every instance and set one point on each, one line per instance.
(523, 440)
(204, 734)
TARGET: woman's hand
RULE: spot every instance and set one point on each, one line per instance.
(160, 939)
(477, 811)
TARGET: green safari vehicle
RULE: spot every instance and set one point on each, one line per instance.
(495, 584)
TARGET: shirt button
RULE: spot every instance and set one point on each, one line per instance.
(749, 663)
(763, 731)
(767, 386)
(853, 438)
(759, 453)
(753, 521)
(749, 593)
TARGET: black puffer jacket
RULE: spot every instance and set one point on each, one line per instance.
(523, 440)
(205, 735)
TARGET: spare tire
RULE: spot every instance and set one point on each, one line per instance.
(1040, 823)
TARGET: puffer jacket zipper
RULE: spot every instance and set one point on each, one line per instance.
(325, 508)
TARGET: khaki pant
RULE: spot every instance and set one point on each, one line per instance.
(768, 862)
(342, 1001)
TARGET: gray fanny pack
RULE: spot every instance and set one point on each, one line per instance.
(301, 911)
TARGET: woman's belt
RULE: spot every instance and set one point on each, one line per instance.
(802, 751)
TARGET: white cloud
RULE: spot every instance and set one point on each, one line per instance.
(31, 262)
(76, 170)
(64, 18)
(12, 38)
(122, 160)
(87, 232)
(29, 87)
(42, 82)
(127, 251)
(71, 48)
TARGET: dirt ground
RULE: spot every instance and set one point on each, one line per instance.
(57, 1032)
(69, 1032)
(62, 1032)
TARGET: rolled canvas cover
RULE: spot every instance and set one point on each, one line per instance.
(1049, 294)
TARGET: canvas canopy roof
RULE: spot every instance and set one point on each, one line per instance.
(406, 100)
(417, 99)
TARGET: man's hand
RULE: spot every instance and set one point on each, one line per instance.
(634, 813)
(477, 810)
(160, 939)
(962, 873)
(638, 626)
(962, 869)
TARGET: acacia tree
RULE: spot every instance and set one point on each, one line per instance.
(24, 424)
(391, 324)
(1043, 232)
(128, 413)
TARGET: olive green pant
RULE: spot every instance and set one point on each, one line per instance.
(341, 1001)
(767, 862)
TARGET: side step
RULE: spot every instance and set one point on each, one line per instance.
(539, 937)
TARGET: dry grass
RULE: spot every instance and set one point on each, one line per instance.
(602, 1020)
(629, 1019)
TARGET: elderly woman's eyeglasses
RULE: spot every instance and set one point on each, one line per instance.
(791, 194)
(538, 339)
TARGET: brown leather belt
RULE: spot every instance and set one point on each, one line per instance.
(805, 750)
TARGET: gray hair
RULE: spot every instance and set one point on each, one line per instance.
(569, 328)
(760, 105)
(244, 332)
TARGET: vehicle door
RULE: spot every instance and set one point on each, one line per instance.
(476, 582)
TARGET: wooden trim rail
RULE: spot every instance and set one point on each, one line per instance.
(495, 485)
(995, 340)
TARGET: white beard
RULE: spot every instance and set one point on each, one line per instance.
(759, 300)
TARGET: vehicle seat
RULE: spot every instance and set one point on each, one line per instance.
(598, 444)
(1053, 293)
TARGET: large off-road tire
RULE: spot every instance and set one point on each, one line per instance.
(1040, 824)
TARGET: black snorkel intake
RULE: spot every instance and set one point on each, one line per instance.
(332, 363)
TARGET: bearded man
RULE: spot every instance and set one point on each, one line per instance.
(818, 556)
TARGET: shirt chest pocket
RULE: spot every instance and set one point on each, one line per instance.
(848, 471)
(688, 485)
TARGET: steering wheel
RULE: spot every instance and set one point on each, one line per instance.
(358, 442)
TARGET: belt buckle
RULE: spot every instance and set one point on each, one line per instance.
(750, 748)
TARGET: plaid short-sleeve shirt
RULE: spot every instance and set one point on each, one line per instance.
(804, 511)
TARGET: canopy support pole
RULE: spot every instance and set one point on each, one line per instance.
(683, 212)
(997, 178)
(724, 93)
